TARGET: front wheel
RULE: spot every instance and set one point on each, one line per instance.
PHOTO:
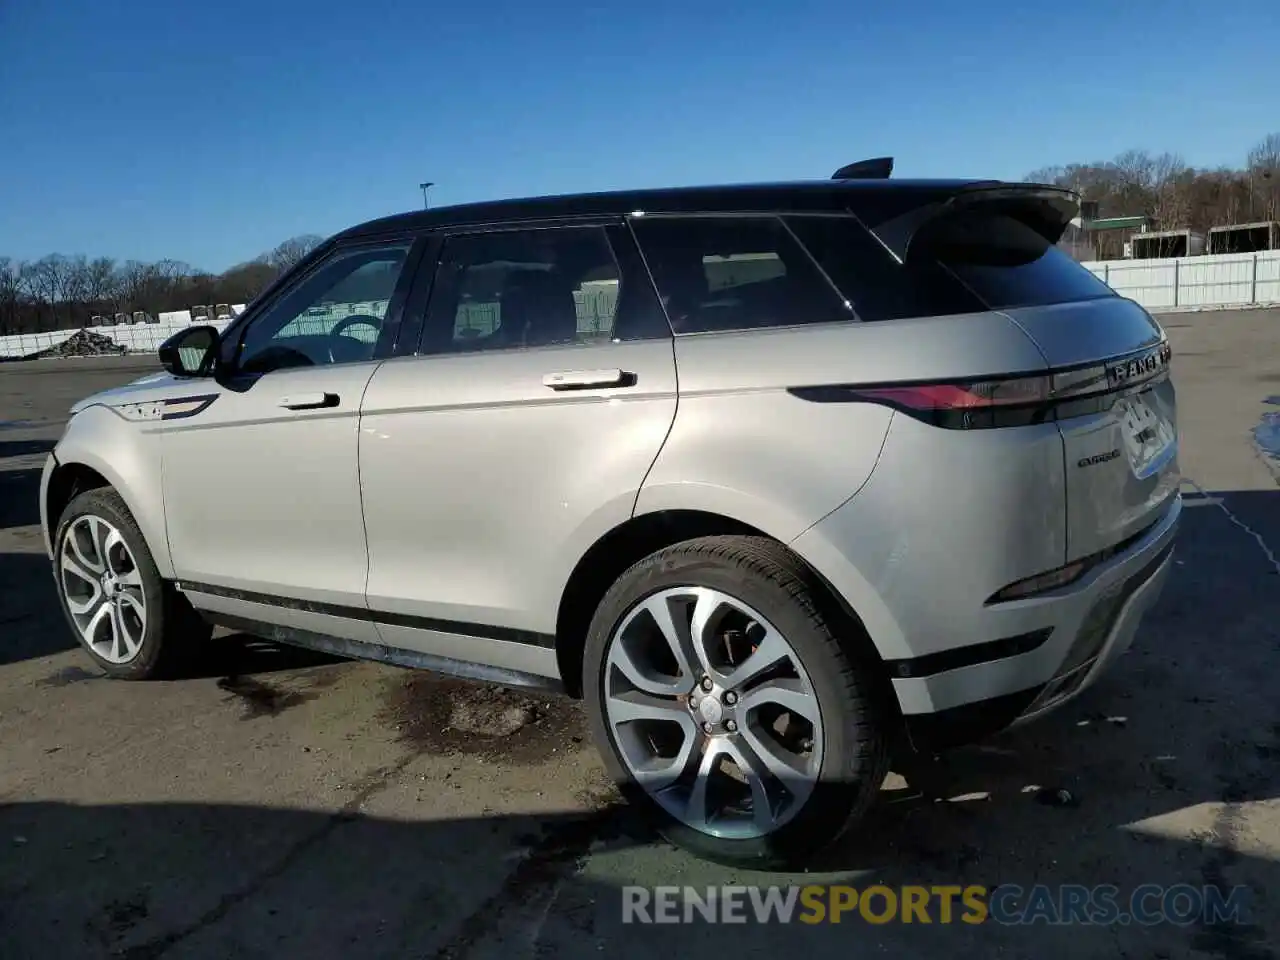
(726, 705)
(132, 623)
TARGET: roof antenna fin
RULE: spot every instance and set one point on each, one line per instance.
(877, 169)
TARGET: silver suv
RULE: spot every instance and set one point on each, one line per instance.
(775, 477)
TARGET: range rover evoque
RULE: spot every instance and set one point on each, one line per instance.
(773, 476)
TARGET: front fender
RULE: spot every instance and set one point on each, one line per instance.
(127, 456)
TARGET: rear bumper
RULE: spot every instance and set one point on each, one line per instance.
(1091, 624)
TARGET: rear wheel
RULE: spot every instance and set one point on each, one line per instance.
(726, 705)
(132, 623)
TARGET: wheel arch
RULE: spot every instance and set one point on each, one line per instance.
(66, 482)
(133, 471)
(647, 533)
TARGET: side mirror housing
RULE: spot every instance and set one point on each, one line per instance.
(190, 352)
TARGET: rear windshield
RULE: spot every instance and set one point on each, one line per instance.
(961, 264)
(1006, 263)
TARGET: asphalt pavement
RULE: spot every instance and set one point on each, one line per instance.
(280, 804)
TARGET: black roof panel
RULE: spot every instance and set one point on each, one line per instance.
(811, 196)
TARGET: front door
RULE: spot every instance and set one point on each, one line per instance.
(261, 478)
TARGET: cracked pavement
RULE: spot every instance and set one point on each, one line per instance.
(280, 803)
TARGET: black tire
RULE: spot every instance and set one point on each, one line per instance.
(174, 632)
(856, 717)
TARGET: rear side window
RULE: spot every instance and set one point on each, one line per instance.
(735, 273)
(524, 288)
(959, 264)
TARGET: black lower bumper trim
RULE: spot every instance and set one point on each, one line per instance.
(968, 723)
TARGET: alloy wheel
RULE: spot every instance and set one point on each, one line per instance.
(102, 586)
(712, 712)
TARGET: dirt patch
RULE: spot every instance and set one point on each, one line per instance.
(262, 699)
(67, 676)
(442, 715)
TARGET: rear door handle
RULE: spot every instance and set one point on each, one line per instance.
(588, 379)
(309, 401)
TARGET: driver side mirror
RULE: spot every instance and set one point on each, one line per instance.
(190, 352)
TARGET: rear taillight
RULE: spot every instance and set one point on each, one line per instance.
(1013, 401)
(1009, 402)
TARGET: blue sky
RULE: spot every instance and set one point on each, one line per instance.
(208, 132)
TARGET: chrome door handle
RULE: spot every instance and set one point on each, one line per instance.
(588, 379)
(309, 401)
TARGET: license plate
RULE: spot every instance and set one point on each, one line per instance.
(1147, 435)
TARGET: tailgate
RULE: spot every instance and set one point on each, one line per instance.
(1109, 359)
(1120, 441)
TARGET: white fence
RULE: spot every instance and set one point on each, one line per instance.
(136, 338)
(1220, 280)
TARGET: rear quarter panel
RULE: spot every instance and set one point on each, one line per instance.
(744, 447)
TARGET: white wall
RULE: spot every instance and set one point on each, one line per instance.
(1220, 280)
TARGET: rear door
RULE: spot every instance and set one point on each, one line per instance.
(519, 433)
(1110, 362)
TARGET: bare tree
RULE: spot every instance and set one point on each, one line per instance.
(1053, 175)
(135, 279)
(102, 284)
(10, 292)
(1171, 202)
(74, 290)
(1175, 195)
(245, 281)
(1264, 177)
(293, 250)
(59, 291)
(44, 281)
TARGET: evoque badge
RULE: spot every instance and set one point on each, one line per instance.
(1098, 458)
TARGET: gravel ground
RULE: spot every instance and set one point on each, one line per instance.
(283, 804)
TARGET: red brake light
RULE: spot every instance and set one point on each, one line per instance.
(985, 403)
(1011, 401)
(965, 396)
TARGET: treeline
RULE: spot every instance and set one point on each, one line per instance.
(60, 292)
(1174, 195)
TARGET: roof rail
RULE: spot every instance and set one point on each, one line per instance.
(876, 169)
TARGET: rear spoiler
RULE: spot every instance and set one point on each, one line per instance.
(1046, 210)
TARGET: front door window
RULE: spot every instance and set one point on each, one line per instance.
(333, 315)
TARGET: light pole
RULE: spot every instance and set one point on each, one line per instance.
(424, 187)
